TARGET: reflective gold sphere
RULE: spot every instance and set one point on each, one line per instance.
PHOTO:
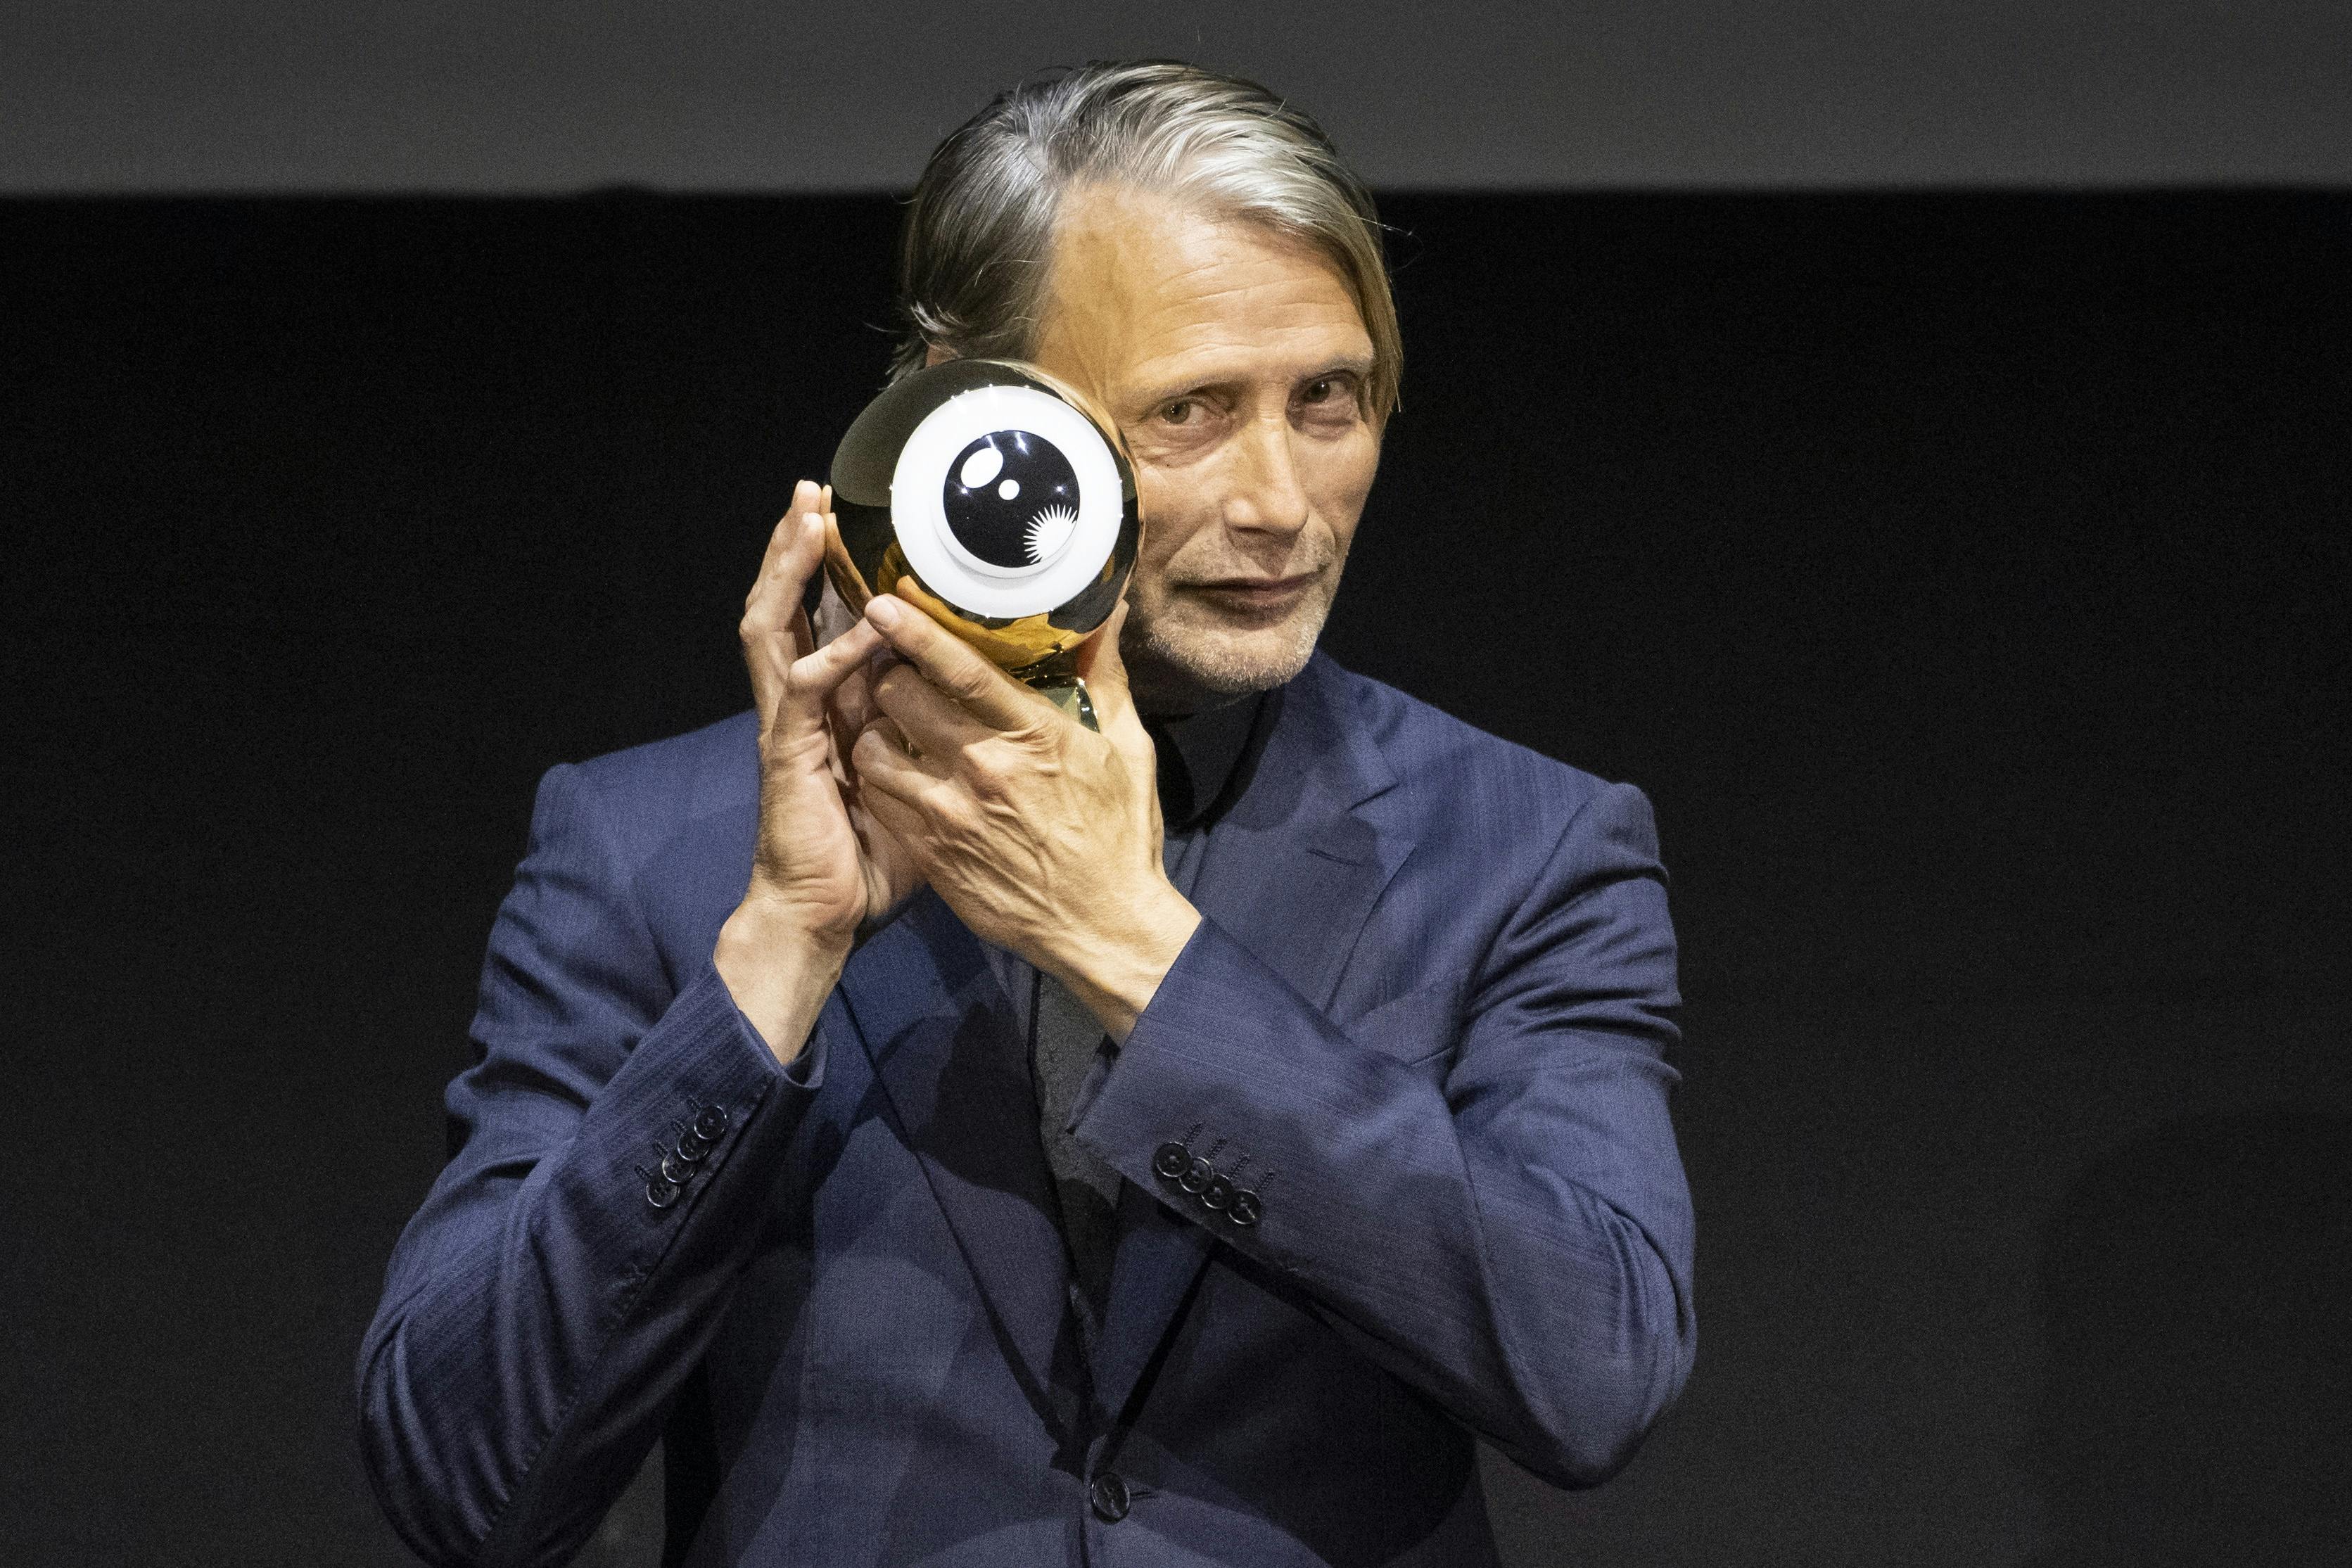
(998, 499)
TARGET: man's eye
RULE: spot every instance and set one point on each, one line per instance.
(1178, 412)
(1328, 389)
(1329, 397)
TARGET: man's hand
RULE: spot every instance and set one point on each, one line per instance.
(1042, 835)
(822, 866)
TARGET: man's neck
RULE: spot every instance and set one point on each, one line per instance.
(1163, 692)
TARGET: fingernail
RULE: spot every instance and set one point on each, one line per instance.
(883, 611)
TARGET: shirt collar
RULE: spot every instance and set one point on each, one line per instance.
(1205, 757)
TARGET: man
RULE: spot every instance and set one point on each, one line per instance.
(967, 1139)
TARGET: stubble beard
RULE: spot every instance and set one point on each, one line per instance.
(1178, 657)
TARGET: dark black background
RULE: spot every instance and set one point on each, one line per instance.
(1964, 577)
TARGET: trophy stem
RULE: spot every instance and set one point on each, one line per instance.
(1056, 675)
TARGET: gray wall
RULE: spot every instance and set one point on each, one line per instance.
(498, 95)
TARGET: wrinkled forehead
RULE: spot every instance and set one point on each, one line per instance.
(1142, 285)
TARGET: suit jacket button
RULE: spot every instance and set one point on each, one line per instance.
(1169, 1160)
(711, 1123)
(1196, 1175)
(661, 1194)
(1217, 1193)
(677, 1168)
(1243, 1210)
(1108, 1494)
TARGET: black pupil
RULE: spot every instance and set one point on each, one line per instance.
(1010, 497)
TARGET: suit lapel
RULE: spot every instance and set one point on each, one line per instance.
(941, 1030)
(1291, 873)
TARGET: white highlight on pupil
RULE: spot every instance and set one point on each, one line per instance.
(1049, 531)
(1009, 489)
(981, 467)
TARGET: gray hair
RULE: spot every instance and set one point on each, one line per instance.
(978, 231)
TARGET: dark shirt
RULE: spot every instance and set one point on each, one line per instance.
(1205, 760)
(1202, 754)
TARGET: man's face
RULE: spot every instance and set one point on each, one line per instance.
(1233, 358)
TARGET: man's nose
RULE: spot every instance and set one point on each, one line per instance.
(1267, 495)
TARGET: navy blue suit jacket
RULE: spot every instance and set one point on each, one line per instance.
(1424, 1017)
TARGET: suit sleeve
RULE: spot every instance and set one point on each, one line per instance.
(1512, 1236)
(549, 1298)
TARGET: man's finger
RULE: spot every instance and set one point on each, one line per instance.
(805, 498)
(778, 568)
(812, 677)
(928, 716)
(852, 700)
(757, 629)
(901, 821)
(772, 608)
(987, 693)
(883, 766)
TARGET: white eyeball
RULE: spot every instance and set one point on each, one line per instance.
(1007, 501)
